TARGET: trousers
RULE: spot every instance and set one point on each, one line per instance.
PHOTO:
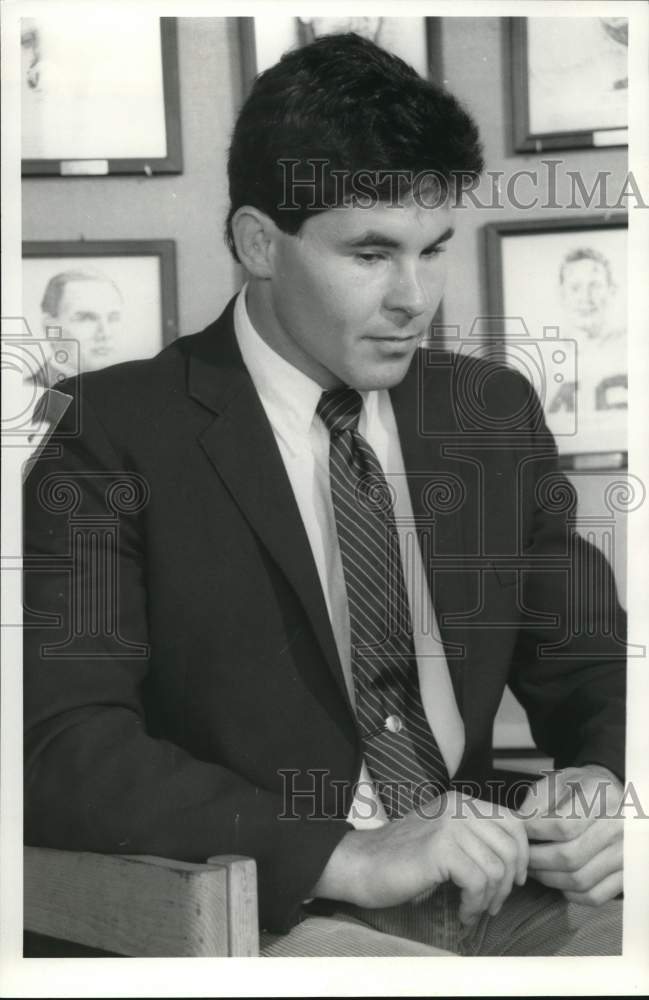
(534, 920)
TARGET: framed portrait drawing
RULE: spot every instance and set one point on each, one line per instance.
(557, 307)
(91, 304)
(569, 82)
(265, 39)
(80, 117)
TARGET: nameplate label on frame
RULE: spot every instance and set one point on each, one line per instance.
(599, 461)
(611, 137)
(77, 168)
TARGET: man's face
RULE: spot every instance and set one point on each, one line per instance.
(585, 289)
(354, 292)
(90, 312)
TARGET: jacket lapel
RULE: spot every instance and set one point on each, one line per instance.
(241, 446)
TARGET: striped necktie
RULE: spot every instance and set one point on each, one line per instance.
(400, 750)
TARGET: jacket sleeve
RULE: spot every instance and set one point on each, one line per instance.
(95, 780)
(569, 664)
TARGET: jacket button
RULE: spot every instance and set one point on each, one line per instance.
(393, 724)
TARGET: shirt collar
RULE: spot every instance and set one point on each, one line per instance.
(289, 397)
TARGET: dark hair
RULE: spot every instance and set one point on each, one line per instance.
(329, 113)
(56, 286)
(585, 253)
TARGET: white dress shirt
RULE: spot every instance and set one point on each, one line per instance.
(290, 398)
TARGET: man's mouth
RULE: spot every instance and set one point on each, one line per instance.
(392, 338)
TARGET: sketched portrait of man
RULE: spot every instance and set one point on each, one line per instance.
(33, 81)
(578, 73)
(617, 30)
(30, 41)
(590, 299)
(82, 319)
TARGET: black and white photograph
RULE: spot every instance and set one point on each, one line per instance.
(325, 469)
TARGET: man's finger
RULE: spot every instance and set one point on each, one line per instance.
(507, 822)
(491, 868)
(564, 804)
(571, 855)
(557, 827)
(505, 848)
(584, 879)
(509, 843)
(516, 829)
(470, 878)
(542, 796)
(606, 890)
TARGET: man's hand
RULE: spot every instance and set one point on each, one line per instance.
(480, 847)
(575, 812)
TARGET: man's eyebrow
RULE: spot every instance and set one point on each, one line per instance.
(374, 238)
(445, 236)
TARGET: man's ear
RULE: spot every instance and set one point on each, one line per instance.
(254, 233)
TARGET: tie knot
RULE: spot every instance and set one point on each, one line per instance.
(339, 409)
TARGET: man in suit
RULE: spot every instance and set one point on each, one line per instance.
(278, 577)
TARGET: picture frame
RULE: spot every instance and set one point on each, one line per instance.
(568, 82)
(556, 303)
(73, 121)
(88, 304)
(263, 40)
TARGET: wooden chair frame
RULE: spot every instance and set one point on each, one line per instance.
(142, 906)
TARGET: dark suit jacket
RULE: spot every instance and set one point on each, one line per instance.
(180, 669)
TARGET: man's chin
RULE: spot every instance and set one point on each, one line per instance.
(383, 376)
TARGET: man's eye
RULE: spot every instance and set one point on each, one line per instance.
(435, 251)
(369, 258)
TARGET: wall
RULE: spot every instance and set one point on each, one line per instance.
(188, 207)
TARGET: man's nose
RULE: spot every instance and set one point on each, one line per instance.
(101, 329)
(408, 292)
